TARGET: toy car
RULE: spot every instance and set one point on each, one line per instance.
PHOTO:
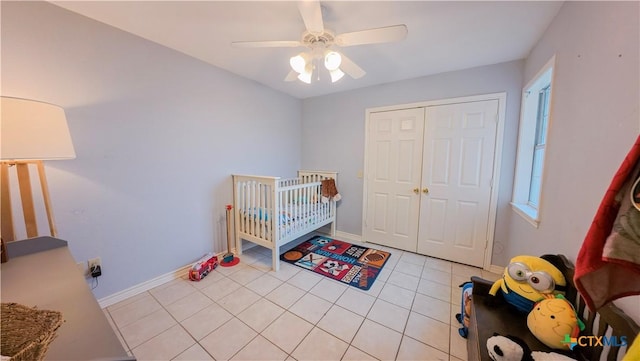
(203, 266)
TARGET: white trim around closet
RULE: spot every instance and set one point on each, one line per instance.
(502, 101)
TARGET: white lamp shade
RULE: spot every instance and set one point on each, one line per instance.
(305, 77)
(32, 130)
(336, 75)
(298, 63)
(332, 60)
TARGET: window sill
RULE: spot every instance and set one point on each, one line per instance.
(529, 214)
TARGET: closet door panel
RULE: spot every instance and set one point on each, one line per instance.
(428, 179)
(457, 170)
(394, 164)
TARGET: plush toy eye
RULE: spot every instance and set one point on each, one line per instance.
(518, 271)
(541, 281)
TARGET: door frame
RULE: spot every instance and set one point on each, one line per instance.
(497, 158)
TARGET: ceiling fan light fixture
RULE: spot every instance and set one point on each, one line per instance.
(332, 60)
(305, 77)
(307, 73)
(298, 63)
(320, 42)
(336, 75)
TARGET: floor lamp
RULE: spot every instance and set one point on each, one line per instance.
(30, 132)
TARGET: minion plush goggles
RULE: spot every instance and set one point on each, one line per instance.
(541, 281)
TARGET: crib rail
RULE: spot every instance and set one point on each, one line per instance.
(300, 206)
(271, 211)
(308, 176)
(288, 182)
(254, 199)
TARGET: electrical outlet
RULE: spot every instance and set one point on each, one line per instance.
(94, 262)
(94, 268)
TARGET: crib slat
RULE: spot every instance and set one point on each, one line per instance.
(272, 205)
(287, 212)
(280, 209)
(261, 216)
(252, 205)
(296, 209)
(243, 201)
(267, 211)
(268, 230)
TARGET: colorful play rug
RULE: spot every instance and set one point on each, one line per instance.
(354, 265)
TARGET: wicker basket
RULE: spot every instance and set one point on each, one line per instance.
(27, 332)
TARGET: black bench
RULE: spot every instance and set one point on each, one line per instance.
(492, 314)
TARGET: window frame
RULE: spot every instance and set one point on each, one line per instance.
(528, 136)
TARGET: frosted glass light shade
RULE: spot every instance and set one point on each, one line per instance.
(33, 130)
(332, 60)
(305, 77)
(298, 63)
(336, 75)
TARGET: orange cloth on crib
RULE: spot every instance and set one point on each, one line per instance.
(329, 188)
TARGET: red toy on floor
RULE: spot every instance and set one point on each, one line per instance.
(203, 266)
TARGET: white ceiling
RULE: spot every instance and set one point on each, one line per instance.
(443, 36)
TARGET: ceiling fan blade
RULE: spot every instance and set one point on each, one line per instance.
(292, 76)
(267, 44)
(351, 68)
(312, 16)
(373, 36)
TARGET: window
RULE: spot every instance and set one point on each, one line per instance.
(532, 141)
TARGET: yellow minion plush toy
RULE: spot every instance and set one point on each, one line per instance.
(526, 280)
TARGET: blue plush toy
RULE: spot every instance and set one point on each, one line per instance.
(465, 309)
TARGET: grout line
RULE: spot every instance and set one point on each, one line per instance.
(119, 333)
(180, 323)
(332, 303)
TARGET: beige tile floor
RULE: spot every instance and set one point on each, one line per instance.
(248, 312)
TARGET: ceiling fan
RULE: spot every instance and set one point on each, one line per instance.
(322, 42)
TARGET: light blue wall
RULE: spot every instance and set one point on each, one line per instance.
(594, 122)
(157, 136)
(158, 133)
(334, 130)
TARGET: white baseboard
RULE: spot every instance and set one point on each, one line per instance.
(344, 236)
(170, 276)
(496, 269)
(142, 287)
(146, 285)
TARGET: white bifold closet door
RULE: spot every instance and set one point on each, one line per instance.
(393, 174)
(429, 179)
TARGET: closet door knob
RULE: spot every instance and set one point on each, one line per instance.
(416, 190)
(425, 190)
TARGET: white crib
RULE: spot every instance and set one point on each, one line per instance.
(270, 211)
